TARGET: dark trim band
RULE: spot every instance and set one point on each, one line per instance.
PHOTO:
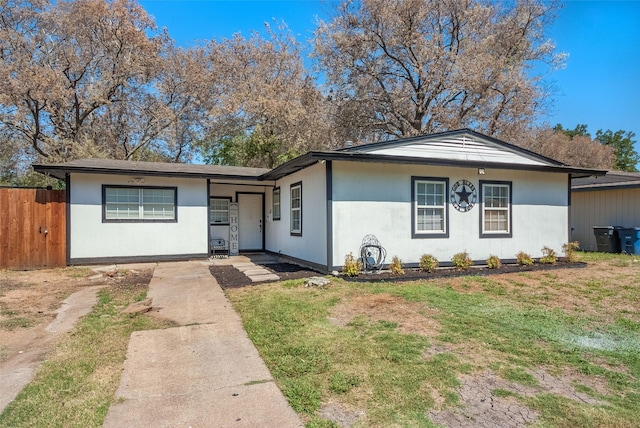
(329, 219)
(135, 259)
(300, 262)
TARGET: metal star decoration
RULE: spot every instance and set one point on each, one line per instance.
(464, 195)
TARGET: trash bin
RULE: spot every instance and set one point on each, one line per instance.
(630, 240)
(607, 238)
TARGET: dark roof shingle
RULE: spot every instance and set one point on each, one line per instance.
(613, 179)
(109, 166)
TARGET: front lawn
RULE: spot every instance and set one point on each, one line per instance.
(554, 348)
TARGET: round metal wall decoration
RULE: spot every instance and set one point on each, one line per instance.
(463, 195)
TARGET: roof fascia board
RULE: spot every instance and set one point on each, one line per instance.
(366, 157)
(294, 165)
(612, 186)
(54, 170)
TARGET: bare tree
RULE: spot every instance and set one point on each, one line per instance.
(399, 68)
(69, 68)
(575, 150)
(263, 105)
(157, 121)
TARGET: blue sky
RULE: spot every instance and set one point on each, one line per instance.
(599, 87)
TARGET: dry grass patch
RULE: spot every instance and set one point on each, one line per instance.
(555, 348)
(410, 317)
(610, 281)
(76, 384)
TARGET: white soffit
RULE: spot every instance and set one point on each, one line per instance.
(462, 148)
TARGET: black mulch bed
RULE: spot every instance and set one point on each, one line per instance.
(416, 274)
(230, 277)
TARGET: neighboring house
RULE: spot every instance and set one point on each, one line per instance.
(612, 200)
(438, 194)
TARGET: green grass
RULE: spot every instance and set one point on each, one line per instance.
(508, 328)
(13, 319)
(16, 322)
(77, 383)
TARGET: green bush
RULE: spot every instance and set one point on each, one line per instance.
(493, 262)
(462, 261)
(352, 266)
(524, 259)
(396, 266)
(428, 263)
(569, 249)
(549, 256)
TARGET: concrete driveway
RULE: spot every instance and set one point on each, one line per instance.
(204, 373)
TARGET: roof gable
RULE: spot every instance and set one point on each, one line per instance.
(461, 145)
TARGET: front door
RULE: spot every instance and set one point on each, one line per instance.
(250, 221)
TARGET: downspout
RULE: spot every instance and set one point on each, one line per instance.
(329, 193)
(569, 208)
(67, 196)
(208, 217)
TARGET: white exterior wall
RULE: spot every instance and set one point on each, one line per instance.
(312, 245)
(610, 207)
(91, 238)
(373, 198)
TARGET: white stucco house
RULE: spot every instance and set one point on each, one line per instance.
(438, 194)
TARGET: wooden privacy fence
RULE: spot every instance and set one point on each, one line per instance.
(32, 228)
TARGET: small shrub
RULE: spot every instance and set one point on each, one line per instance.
(524, 259)
(396, 266)
(569, 249)
(428, 263)
(462, 261)
(493, 262)
(549, 256)
(352, 266)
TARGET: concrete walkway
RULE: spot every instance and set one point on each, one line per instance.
(204, 373)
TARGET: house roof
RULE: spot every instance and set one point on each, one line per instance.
(612, 180)
(463, 148)
(462, 144)
(108, 166)
(314, 157)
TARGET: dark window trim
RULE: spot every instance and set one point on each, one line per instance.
(273, 192)
(141, 220)
(297, 184)
(218, 197)
(481, 197)
(427, 235)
